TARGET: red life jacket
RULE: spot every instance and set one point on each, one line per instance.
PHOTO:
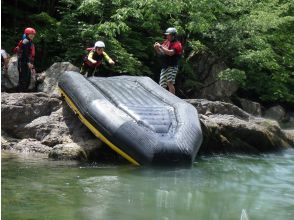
(173, 60)
(96, 57)
(31, 53)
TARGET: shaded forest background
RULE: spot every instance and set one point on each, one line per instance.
(254, 38)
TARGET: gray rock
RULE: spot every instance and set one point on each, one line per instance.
(290, 135)
(31, 145)
(50, 83)
(18, 109)
(207, 67)
(7, 142)
(254, 108)
(206, 107)
(70, 151)
(227, 128)
(62, 126)
(39, 121)
(228, 134)
(288, 123)
(11, 80)
(276, 112)
(89, 149)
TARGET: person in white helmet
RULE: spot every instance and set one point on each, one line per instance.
(170, 52)
(94, 59)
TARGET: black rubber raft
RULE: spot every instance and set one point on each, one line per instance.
(136, 117)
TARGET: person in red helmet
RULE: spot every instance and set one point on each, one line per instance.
(25, 51)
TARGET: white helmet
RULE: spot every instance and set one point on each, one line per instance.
(99, 44)
(171, 30)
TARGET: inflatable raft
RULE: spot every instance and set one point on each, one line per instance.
(136, 117)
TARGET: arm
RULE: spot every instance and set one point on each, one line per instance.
(166, 51)
(90, 57)
(157, 48)
(107, 58)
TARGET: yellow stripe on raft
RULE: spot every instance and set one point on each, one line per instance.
(95, 131)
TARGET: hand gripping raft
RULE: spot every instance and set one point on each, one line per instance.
(136, 117)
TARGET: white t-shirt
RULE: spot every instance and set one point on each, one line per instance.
(4, 54)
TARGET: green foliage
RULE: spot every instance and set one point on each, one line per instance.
(236, 75)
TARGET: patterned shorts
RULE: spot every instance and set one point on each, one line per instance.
(168, 75)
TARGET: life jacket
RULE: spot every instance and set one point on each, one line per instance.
(174, 59)
(29, 56)
(96, 57)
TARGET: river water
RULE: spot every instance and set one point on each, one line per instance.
(216, 187)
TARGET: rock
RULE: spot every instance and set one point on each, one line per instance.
(288, 122)
(62, 126)
(276, 112)
(71, 151)
(251, 107)
(206, 107)
(207, 67)
(228, 134)
(50, 83)
(42, 123)
(227, 128)
(18, 109)
(47, 121)
(10, 82)
(7, 142)
(290, 135)
(31, 145)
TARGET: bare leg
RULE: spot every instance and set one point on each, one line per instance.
(171, 87)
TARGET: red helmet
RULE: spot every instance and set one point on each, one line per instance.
(30, 30)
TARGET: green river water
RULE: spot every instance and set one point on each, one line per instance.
(216, 187)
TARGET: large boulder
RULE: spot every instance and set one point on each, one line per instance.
(43, 120)
(7, 142)
(50, 83)
(70, 151)
(207, 67)
(10, 81)
(289, 121)
(206, 107)
(228, 129)
(31, 145)
(290, 134)
(254, 108)
(60, 127)
(277, 113)
(18, 109)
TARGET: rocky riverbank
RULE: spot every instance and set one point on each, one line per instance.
(42, 122)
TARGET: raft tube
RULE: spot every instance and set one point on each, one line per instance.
(135, 117)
